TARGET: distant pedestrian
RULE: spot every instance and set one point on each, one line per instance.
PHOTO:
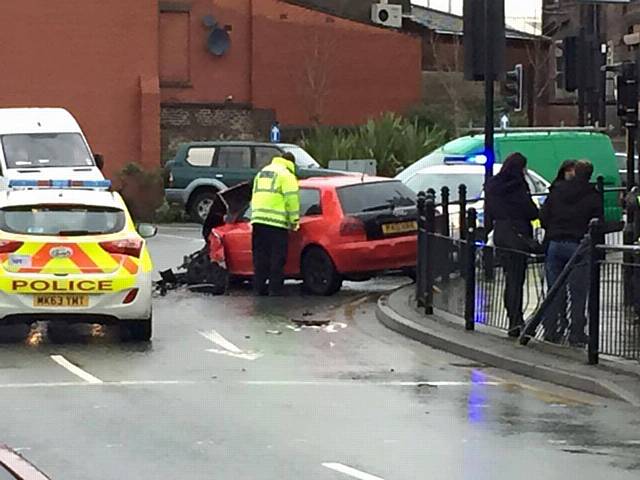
(510, 211)
(275, 210)
(565, 216)
(566, 172)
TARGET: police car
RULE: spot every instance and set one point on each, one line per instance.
(468, 171)
(70, 252)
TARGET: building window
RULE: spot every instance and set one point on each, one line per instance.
(175, 68)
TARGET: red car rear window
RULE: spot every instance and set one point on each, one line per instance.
(375, 196)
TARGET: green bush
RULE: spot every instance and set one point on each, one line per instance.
(393, 141)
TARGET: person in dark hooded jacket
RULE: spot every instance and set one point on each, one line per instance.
(565, 217)
(509, 211)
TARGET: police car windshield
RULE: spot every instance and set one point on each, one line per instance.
(67, 220)
(424, 181)
(46, 150)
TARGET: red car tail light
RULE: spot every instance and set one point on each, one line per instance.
(352, 226)
(9, 246)
(131, 296)
(130, 246)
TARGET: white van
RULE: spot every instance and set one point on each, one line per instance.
(43, 144)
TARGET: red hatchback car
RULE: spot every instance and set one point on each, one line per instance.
(351, 227)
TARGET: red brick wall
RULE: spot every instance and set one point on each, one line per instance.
(312, 66)
(88, 56)
(304, 64)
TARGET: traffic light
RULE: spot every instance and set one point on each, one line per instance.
(512, 88)
(570, 62)
(480, 35)
(627, 93)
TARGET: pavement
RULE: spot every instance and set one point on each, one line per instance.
(612, 378)
(232, 388)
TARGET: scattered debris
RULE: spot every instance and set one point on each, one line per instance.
(311, 323)
(197, 273)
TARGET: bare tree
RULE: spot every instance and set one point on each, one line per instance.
(541, 58)
(315, 74)
(447, 67)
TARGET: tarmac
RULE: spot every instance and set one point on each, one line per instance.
(564, 366)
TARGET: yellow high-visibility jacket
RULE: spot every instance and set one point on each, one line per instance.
(275, 200)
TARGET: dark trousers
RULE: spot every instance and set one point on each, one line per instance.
(269, 246)
(574, 293)
(515, 270)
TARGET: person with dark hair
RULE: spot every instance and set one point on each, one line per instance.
(509, 211)
(565, 217)
(566, 172)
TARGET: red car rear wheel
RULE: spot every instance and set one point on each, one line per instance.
(319, 273)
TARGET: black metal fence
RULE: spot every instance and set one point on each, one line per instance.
(460, 273)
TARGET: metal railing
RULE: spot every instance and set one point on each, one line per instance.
(598, 292)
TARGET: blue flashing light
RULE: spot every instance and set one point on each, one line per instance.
(60, 184)
(477, 159)
(480, 159)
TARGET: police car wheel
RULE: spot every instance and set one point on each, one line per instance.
(201, 204)
(136, 330)
(319, 275)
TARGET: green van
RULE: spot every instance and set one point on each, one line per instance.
(545, 151)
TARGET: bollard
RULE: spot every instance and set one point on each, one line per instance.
(462, 199)
(421, 261)
(445, 211)
(596, 237)
(470, 277)
(430, 218)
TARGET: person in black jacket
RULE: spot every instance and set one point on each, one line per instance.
(509, 211)
(565, 217)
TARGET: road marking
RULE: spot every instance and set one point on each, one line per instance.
(243, 356)
(284, 383)
(77, 371)
(352, 472)
(127, 383)
(229, 349)
(347, 383)
(181, 237)
(219, 340)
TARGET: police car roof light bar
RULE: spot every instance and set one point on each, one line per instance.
(80, 184)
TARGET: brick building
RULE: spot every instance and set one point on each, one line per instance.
(443, 59)
(139, 77)
(563, 18)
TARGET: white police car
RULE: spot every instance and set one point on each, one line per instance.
(70, 252)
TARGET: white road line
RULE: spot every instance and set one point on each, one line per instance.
(180, 237)
(348, 383)
(285, 383)
(229, 349)
(219, 340)
(127, 383)
(244, 356)
(352, 472)
(77, 371)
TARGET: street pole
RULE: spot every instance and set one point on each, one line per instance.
(488, 96)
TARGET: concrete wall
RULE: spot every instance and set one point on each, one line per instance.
(96, 58)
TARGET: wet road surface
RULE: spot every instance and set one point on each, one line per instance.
(232, 388)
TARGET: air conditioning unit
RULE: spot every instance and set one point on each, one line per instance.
(386, 14)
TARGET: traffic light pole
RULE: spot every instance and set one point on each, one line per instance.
(489, 75)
